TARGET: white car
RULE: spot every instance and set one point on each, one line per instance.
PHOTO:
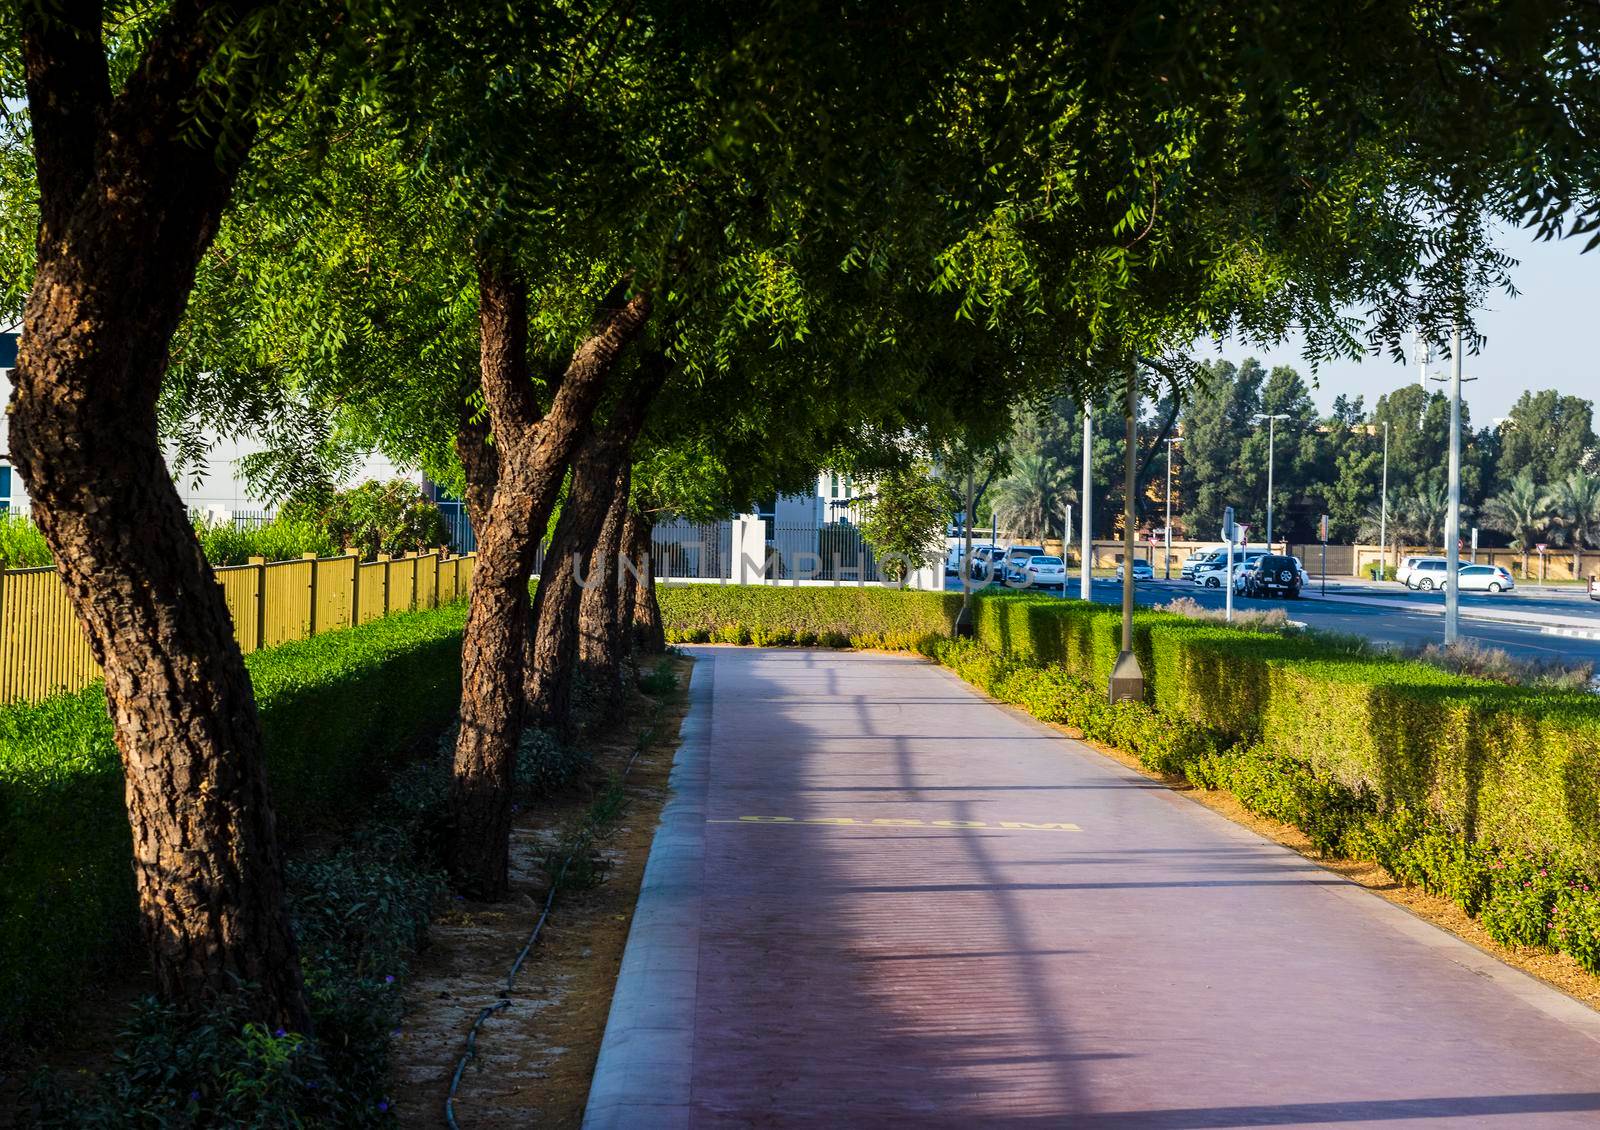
(1427, 573)
(1485, 578)
(1142, 571)
(1214, 574)
(952, 563)
(1409, 565)
(1040, 569)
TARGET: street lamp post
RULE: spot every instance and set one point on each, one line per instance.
(1272, 419)
(1452, 521)
(1170, 442)
(1452, 516)
(1383, 508)
(1085, 587)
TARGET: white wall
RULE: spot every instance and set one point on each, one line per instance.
(220, 486)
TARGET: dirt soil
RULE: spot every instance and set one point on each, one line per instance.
(1555, 969)
(535, 1058)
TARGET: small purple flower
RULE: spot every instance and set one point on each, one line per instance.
(383, 1106)
(388, 979)
(395, 1034)
(194, 1096)
(280, 1033)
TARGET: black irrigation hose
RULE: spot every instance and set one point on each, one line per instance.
(471, 1050)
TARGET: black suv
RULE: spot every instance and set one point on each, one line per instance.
(1275, 576)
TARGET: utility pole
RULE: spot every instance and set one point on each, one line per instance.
(1452, 516)
(1127, 679)
(964, 621)
(1272, 425)
(1085, 588)
(1170, 442)
(1383, 509)
(1452, 520)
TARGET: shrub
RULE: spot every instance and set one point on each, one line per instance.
(335, 712)
(283, 539)
(833, 616)
(372, 518)
(22, 546)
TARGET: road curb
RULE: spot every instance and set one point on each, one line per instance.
(645, 1069)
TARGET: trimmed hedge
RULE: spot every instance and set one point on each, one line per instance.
(335, 711)
(842, 616)
(1511, 766)
(1484, 793)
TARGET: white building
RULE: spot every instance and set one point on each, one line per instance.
(219, 488)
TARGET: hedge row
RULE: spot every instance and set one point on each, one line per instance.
(831, 616)
(335, 709)
(1514, 767)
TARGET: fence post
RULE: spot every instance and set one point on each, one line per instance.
(5, 662)
(416, 578)
(311, 618)
(355, 588)
(260, 564)
(436, 556)
(385, 559)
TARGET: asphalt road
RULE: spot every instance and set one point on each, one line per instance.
(877, 899)
(1392, 626)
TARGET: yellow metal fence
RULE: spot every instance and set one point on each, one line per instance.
(43, 650)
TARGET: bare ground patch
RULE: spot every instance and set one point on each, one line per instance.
(535, 1058)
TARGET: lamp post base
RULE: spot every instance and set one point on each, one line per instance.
(1127, 679)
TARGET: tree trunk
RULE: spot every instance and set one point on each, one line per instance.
(131, 191)
(649, 635)
(553, 645)
(553, 651)
(531, 455)
(599, 641)
(630, 566)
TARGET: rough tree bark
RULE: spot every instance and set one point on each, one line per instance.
(531, 455)
(553, 642)
(599, 638)
(649, 634)
(631, 566)
(552, 654)
(132, 188)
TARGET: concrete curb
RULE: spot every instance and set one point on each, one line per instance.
(646, 1059)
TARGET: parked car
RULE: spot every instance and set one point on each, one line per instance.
(1409, 565)
(1040, 569)
(1202, 557)
(984, 562)
(952, 563)
(1141, 571)
(1428, 573)
(1273, 575)
(1305, 577)
(1486, 578)
(1594, 588)
(1016, 557)
(1214, 575)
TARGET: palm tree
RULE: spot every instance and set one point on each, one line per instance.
(1026, 499)
(1420, 515)
(1521, 512)
(1575, 503)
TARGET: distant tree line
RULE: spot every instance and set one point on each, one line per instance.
(1530, 478)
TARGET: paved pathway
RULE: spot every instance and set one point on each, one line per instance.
(877, 899)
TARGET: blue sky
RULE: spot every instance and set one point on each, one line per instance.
(1546, 337)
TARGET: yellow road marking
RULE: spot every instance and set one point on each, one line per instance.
(851, 822)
